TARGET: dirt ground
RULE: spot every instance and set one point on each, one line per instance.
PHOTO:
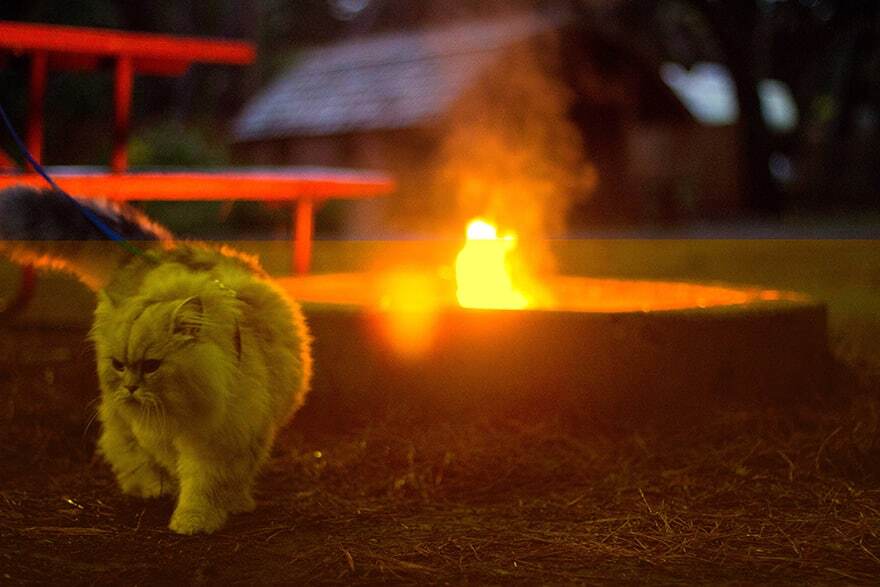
(764, 494)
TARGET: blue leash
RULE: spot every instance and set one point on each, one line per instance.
(89, 214)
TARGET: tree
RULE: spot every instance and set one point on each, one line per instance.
(689, 31)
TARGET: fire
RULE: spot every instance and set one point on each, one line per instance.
(482, 271)
(410, 308)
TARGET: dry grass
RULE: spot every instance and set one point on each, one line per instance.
(766, 494)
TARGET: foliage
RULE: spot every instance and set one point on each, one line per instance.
(95, 13)
(829, 156)
(170, 143)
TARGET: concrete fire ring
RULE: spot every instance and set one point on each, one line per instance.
(606, 365)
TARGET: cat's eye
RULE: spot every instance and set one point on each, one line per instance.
(150, 365)
(117, 364)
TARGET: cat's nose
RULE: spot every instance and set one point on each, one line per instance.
(131, 388)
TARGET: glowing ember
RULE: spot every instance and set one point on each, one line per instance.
(482, 272)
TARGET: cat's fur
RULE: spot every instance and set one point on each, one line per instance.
(201, 358)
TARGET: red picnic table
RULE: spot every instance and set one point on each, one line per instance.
(306, 187)
(63, 47)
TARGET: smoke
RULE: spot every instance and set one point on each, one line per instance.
(511, 154)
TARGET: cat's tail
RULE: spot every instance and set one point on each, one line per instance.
(47, 229)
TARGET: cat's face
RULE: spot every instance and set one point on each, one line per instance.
(152, 359)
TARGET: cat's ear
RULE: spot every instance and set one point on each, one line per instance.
(188, 317)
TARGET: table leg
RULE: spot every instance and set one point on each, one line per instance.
(36, 98)
(122, 86)
(303, 223)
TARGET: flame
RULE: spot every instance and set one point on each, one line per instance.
(481, 269)
(409, 306)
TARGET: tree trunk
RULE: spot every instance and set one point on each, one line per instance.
(735, 25)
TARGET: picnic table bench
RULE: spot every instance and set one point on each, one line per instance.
(306, 188)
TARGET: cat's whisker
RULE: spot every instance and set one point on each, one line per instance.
(164, 414)
(150, 411)
(154, 410)
(157, 411)
(92, 404)
(88, 348)
(89, 423)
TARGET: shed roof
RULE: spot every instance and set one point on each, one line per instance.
(389, 81)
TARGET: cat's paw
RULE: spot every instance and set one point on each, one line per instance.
(241, 503)
(196, 521)
(146, 484)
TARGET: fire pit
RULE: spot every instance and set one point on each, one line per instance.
(602, 348)
(481, 340)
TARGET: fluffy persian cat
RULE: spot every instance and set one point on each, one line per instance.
(201, 358)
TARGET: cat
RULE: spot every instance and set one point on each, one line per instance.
(201, 358)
